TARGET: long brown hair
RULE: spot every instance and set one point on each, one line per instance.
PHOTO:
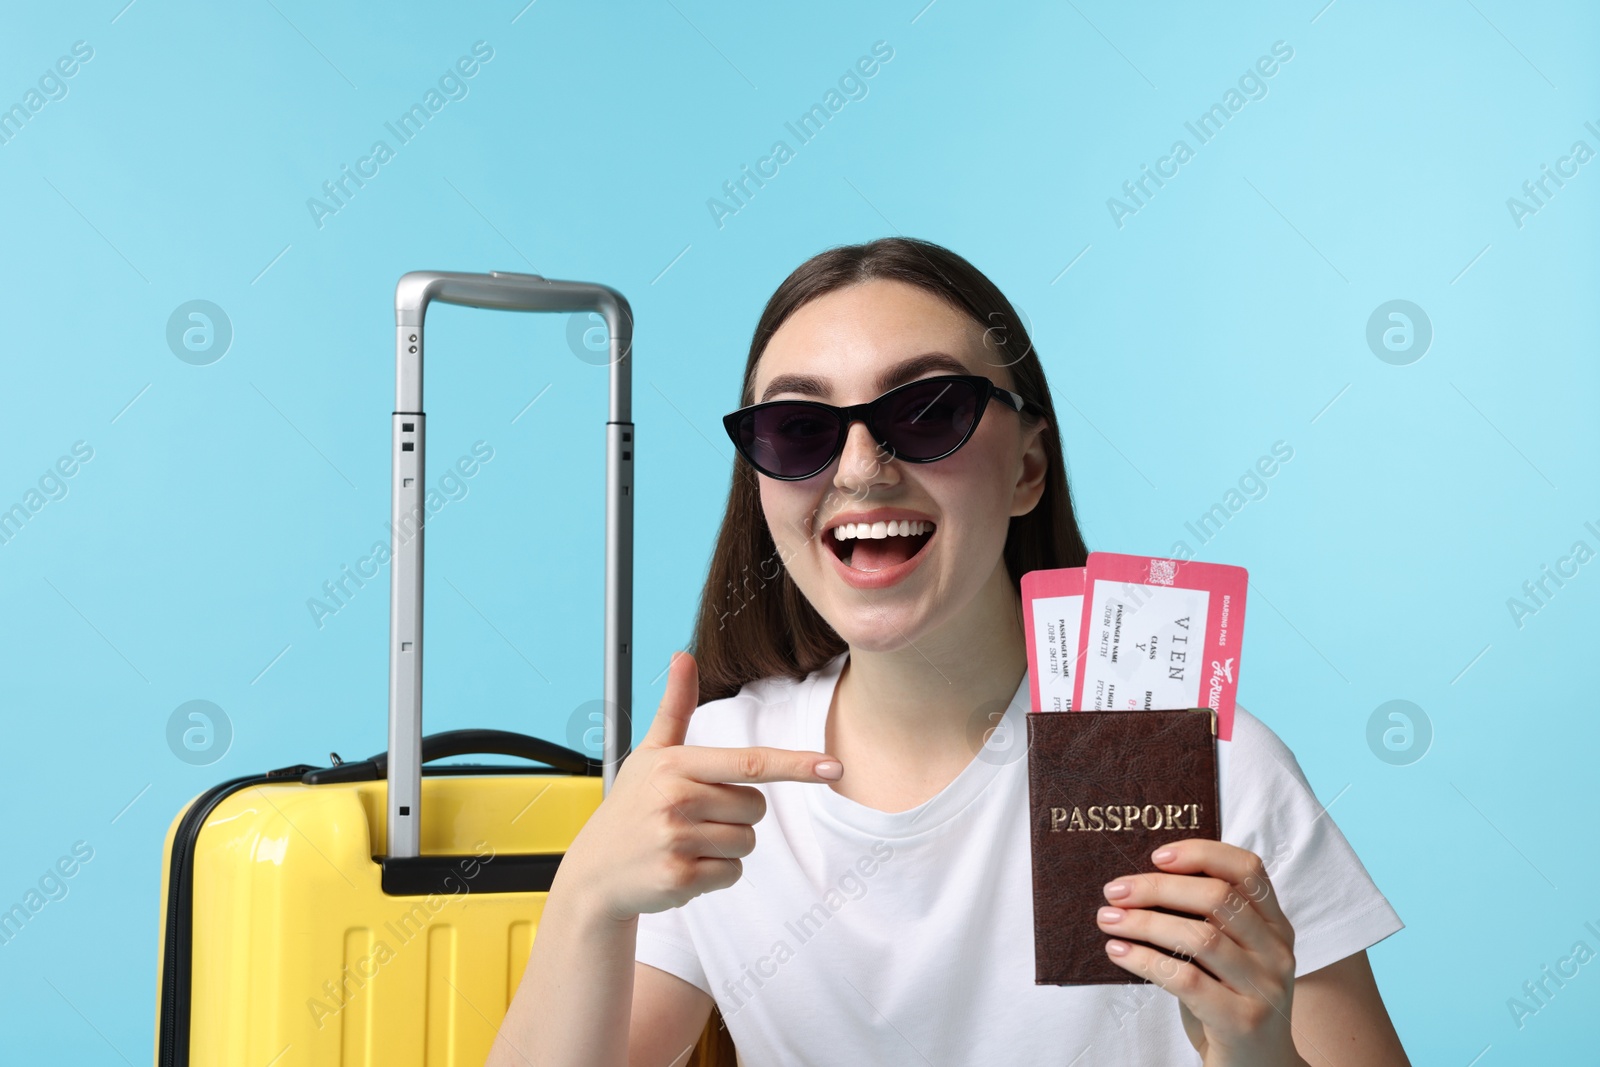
(753, 622)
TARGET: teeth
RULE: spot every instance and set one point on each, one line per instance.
(899, 528)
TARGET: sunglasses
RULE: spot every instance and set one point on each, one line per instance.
(919, 422)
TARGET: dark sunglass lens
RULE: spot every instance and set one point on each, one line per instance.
(789, 439)
(927, 419)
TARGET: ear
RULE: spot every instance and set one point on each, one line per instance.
(1031, 471)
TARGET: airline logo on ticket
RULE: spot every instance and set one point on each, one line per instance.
(1052, 613)
(1161, 634)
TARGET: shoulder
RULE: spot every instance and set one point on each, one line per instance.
(1269, 808)
(1255, 743)
(749, 717)
(1265, 795)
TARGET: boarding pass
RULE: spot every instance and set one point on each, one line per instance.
(1152, 634)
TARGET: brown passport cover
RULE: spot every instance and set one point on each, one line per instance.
(1091, 759)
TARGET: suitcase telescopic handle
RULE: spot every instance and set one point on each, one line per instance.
(506, 292)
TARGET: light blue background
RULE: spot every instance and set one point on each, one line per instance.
(1228, 314)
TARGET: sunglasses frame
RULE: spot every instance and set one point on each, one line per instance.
(852, 413)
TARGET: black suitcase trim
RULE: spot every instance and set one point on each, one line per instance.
(418, 876)
(178, 951)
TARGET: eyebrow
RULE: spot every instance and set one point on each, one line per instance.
(900, 373)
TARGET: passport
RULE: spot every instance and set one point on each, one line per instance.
(1105, 790)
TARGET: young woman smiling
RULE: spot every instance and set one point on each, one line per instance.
(839, 694)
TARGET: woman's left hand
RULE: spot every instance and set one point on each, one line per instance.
(1240, 1017)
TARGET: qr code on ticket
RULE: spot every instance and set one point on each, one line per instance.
(1163, 571)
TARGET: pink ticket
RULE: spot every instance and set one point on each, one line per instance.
(1160, 634)
(1052, 614)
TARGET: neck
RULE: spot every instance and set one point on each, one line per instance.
(930, 701)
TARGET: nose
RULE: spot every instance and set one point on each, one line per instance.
(864, 463)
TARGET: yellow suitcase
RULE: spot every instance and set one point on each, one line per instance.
(314, 916)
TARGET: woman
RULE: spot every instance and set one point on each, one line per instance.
(842, 684)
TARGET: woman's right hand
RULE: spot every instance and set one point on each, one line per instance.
(674, 823)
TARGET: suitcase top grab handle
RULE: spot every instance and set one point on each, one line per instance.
(507, 292)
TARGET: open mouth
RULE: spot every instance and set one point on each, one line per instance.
(874, 546)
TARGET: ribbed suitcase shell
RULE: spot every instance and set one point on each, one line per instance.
(300, 959)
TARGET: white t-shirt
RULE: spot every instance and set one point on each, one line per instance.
(858, 936)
